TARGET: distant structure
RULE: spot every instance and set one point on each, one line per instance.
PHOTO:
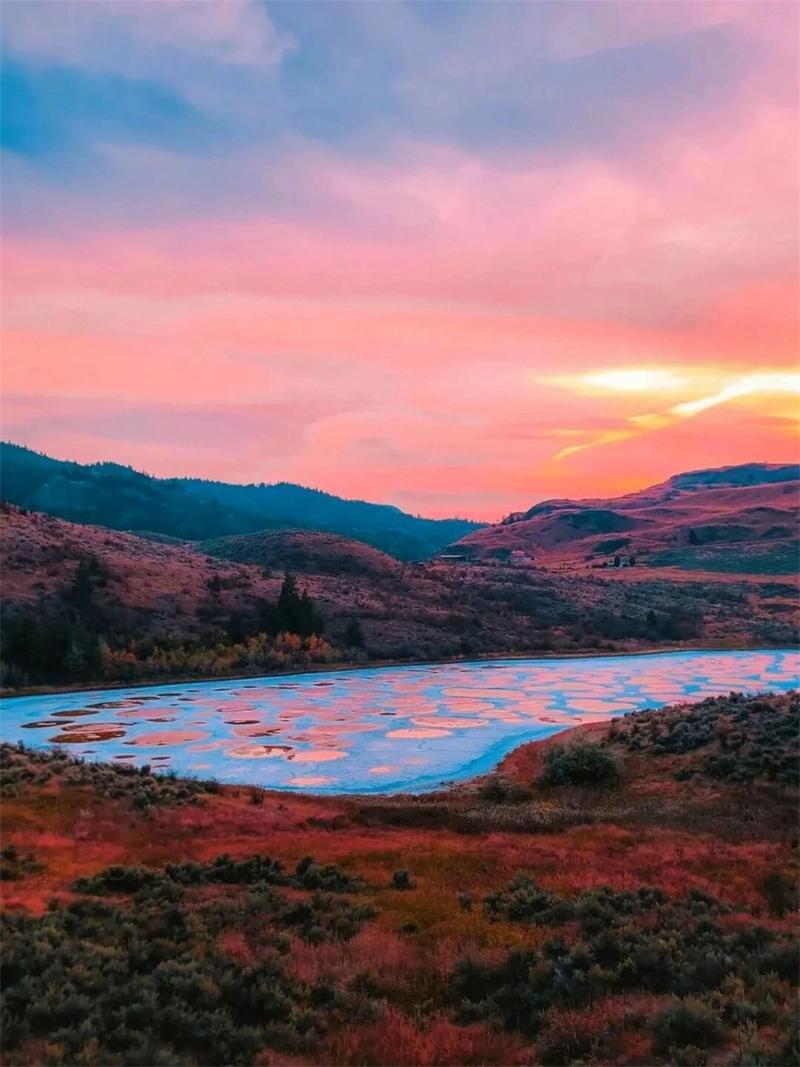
(498, 557)
(520, 558)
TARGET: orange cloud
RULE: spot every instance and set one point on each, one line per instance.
(414, 328)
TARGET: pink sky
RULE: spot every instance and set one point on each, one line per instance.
(423, 318)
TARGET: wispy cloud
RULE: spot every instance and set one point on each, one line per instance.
(406, 251)
(117, 35)
(767, 386)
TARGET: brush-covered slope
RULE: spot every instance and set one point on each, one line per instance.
(108, 494)
(742, 519)
(166, 610)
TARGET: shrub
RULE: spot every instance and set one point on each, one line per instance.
(258, 870)
(779, 893)
(402, 880)
(14, 866)
(525, 901)
(147, 985)
(677, 949)
(328, 877)
(20, 765)
(736, 738)
(687, 1023)
(580, 764)
(499, 790)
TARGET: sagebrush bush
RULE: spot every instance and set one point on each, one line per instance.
(499, 790)
(687, 1023)
(150, 983)
(631, 942)
(736, 738)
(21, 766)
(580, 764)
(255, 870)
(403, 880)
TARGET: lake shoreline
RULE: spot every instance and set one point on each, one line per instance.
(563, 690)
(324, 668)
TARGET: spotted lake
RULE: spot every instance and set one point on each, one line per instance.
(380, 729)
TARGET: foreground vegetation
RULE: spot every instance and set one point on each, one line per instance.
(586, 904)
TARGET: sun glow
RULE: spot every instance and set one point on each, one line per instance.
(634, 380)
(770, 384)
(753, 385)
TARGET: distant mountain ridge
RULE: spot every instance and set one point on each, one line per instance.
(713, 477)
(108, 494)
(724, 519)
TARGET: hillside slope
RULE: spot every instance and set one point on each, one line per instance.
(742, 519)
(108, 494)
(303, 551)
(165, 610)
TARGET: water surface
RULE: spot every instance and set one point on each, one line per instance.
(380, 729)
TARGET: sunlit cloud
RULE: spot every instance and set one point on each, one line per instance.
(402, 256)
(634, 380)
(778, 384)
(753, 385)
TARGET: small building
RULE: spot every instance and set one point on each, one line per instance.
(520, 558)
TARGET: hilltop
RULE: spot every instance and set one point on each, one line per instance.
(108, 494)
(304, 551)
(729, 520)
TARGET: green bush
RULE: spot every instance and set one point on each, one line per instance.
(403, 880)
(149, 982)
(499, 790)
(687, 1023)
(255, 870)
(328, 877)
(779, 893)
(525, 901)
(580, 764)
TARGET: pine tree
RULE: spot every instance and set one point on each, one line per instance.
(288, 604)
(353, 635)
(80, 592)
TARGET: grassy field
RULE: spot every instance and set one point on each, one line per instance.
(623, 894)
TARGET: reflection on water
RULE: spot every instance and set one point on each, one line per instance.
(376, 730)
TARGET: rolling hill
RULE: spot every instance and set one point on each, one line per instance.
(108, 494)
(734, 519)
(90, 604)
(303, 552)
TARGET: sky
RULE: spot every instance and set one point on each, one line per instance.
(458, 257)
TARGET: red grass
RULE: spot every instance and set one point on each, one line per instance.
(395, 1039)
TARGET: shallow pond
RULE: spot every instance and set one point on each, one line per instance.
(380, 729)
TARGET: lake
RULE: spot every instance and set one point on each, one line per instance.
(379, 729)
